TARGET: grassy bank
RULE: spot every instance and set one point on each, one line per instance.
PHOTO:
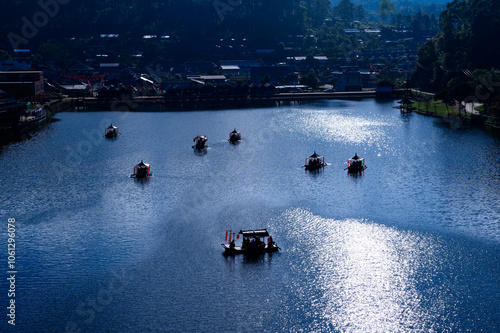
(427, 104)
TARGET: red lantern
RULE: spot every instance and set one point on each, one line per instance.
(226, 235)
(238, 236)
(229, 238)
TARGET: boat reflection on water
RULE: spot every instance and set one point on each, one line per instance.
(355, 175)
(200, 152)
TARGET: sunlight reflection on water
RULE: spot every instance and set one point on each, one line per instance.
(367, 274)
(411, 245)
(338, 125)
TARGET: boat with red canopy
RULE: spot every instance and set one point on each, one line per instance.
(234, 136)
(356, 164)
(314, 162)
(142, 171)
(200, 142)
(111, 132)
(253, 242)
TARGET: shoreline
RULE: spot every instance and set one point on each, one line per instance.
(210, 103)
(469, 115)
(197, 103)
(470, 121)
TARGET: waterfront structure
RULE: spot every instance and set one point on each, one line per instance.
(349, 81)
(23, 84)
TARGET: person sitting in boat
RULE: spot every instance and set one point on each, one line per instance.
(270, 241)
(245, 243)
(231, 245)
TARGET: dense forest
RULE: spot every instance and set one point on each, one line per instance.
(193, 23)
(56, 29)
(192, 20)
(404, 7)
(61, 30)
(461, 62)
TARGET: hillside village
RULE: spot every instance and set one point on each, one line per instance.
(106, 64)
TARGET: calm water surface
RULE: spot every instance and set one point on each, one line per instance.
(413, 244)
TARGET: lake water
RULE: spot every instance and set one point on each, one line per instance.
(413, 244)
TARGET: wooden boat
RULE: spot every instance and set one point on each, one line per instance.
(356, 164)
(200, 142)
(315, 162)
(234, 136)
(33, 119)
(19, 118)
(253, 243)
(142, 171)
(111, 132)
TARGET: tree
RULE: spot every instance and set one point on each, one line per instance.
(345, 9)
(397, 20)
(4, 55)
(386, 7)
(466, 48)
(317, 11)
(310, 61)
(359, 13)
(310, 79)
(445, 96)
(434, 21)
(266, 79)
(460, 92)
(416, 22)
